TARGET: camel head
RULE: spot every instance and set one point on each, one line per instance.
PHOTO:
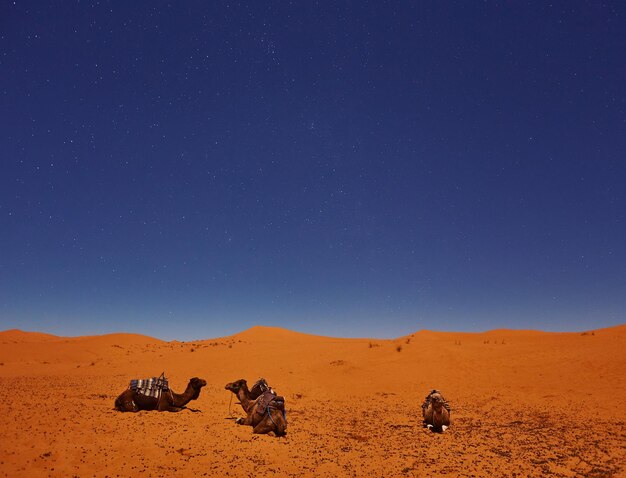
(437, 401)
(197, 383)
(235, 386)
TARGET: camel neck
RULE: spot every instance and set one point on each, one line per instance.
(185, 397)
(243, 394)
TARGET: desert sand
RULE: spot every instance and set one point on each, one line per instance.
(524, 403)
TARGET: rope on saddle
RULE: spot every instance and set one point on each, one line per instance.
(270, 415)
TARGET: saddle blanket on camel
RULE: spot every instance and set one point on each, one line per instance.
(150, 387)
(269, 399)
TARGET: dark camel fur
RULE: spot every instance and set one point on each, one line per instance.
(265, 413)
(132, 401)
(436, 412)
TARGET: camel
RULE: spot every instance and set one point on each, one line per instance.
(255, 391)
(264, 414)
(436, 412)
(133, 401)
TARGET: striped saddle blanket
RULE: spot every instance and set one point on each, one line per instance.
(151, 387)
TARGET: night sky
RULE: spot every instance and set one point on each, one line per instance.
(189, 169)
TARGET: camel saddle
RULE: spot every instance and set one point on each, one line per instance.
(150, 387)
(270, 399)
(259, 388)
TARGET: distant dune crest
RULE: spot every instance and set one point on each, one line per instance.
(16, 335)
(265, 333)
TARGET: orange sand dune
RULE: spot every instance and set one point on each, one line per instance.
(19, 336)
(524, 403)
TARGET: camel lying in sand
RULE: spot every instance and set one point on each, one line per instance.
(261, 386)
(133, 401)
(265, 413)
(254, 392)
(436, 412)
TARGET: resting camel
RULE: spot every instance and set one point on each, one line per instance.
(133, 401)
(261, 386)
(265, 414)
(436, 412)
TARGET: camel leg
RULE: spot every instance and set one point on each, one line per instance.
(264, 426)
(172, 408)
(246, 421)
(276, 423)
(279, 422)
(445, 418)
(436, 420)
(428, 416)
(441, 418)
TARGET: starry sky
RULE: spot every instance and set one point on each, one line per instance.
(186, 170)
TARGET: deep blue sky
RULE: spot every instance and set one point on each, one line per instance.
(367, 168)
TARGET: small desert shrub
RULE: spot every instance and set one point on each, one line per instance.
(408, 341)
(399, 348)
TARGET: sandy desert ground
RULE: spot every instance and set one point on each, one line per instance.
(524, 403)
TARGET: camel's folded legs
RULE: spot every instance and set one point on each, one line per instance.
(267, 423)
(245, 421)
(271, 423)
(264, 426)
